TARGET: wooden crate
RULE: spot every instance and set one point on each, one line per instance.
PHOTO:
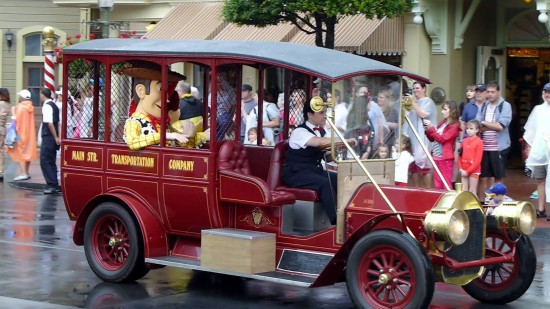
(238, 250)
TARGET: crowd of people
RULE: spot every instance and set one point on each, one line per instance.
(22, 144)
(470, 144)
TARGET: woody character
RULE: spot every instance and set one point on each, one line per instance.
(143, 126)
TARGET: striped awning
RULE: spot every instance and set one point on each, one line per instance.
(278, 33)
(190, 21)
(204, 21)
(364, 36)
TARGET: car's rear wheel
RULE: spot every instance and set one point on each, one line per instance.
(505, 282)
(389, 269)
(113, 244)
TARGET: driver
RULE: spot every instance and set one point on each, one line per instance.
(142, 127)
(303, 167)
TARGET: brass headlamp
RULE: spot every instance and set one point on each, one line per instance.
(519, 217)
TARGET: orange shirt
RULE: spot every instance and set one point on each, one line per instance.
(472, 152)
(24, 150)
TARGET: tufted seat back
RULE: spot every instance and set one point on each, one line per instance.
(276, 166)
(237, 184)
(275, 175)
(232, 156)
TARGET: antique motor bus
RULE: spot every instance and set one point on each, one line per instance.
(142, 197)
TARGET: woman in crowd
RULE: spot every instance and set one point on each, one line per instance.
(360, 127)
(25, 149)
(422, 108)
(443, 137)
(385, 101)
(4, 114)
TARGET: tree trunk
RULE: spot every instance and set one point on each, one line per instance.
(319, 30)
(329, 37)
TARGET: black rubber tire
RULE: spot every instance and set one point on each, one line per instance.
(406, 253)
(520, 273)
(126, 263)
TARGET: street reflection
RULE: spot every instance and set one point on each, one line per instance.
(46, 216)
(114, 295)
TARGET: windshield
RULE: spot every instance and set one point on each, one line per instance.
(367, 108)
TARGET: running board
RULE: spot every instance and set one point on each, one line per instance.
(272, 276)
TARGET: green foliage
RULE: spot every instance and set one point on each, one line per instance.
(310, 16)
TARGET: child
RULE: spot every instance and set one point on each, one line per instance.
(495, 196)
(383, 152)
(443, 137)
(253, 137)
(404, 159)
(469, 160)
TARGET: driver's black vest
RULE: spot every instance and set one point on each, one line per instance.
(304, 157)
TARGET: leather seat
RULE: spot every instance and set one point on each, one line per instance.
(238, 185)
(274, 177)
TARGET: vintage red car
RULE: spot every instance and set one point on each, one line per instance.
(213, 203)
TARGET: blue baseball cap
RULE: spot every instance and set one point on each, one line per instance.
(497, 188)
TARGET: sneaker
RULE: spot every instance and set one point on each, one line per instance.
(535, 194)
(541, 213)
(22, 177)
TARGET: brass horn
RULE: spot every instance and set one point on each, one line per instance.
(407, 103)
(317, 104)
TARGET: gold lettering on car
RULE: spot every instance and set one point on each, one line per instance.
(92, 157)
(127, 160)
(181, 165)
(78, 155)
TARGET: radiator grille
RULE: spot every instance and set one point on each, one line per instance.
(471, 249)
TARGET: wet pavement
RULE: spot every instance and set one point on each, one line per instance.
(40, 267)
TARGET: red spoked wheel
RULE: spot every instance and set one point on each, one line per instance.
(113, 245)
(505, 282)
(110, 242)
(389, 269)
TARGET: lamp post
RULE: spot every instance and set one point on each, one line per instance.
(105, 6)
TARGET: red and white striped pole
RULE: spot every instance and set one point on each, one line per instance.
(49, 46)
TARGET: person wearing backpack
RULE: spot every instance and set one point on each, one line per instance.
(270, 120)
(495, 116)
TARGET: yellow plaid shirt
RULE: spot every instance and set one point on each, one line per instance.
(139, 133)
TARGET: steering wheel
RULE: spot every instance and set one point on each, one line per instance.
(329, 145)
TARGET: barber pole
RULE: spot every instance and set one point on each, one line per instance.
(49, 45)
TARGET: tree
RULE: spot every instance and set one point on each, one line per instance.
(310, 16)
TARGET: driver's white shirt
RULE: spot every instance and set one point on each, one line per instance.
(300, 136)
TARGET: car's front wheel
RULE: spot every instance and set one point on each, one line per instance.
(389, 269)
(505, 282)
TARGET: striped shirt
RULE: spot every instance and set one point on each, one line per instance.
(490, 138)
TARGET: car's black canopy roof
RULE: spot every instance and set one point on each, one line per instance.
(326, 63)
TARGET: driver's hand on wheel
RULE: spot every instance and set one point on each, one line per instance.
(351, 141)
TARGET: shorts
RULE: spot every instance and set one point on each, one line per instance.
(413, 168)
(492, 164)
(539, 171)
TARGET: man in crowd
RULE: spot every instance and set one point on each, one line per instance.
(247, 105)
(537, 136)
(495, 116)
(50, 141)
